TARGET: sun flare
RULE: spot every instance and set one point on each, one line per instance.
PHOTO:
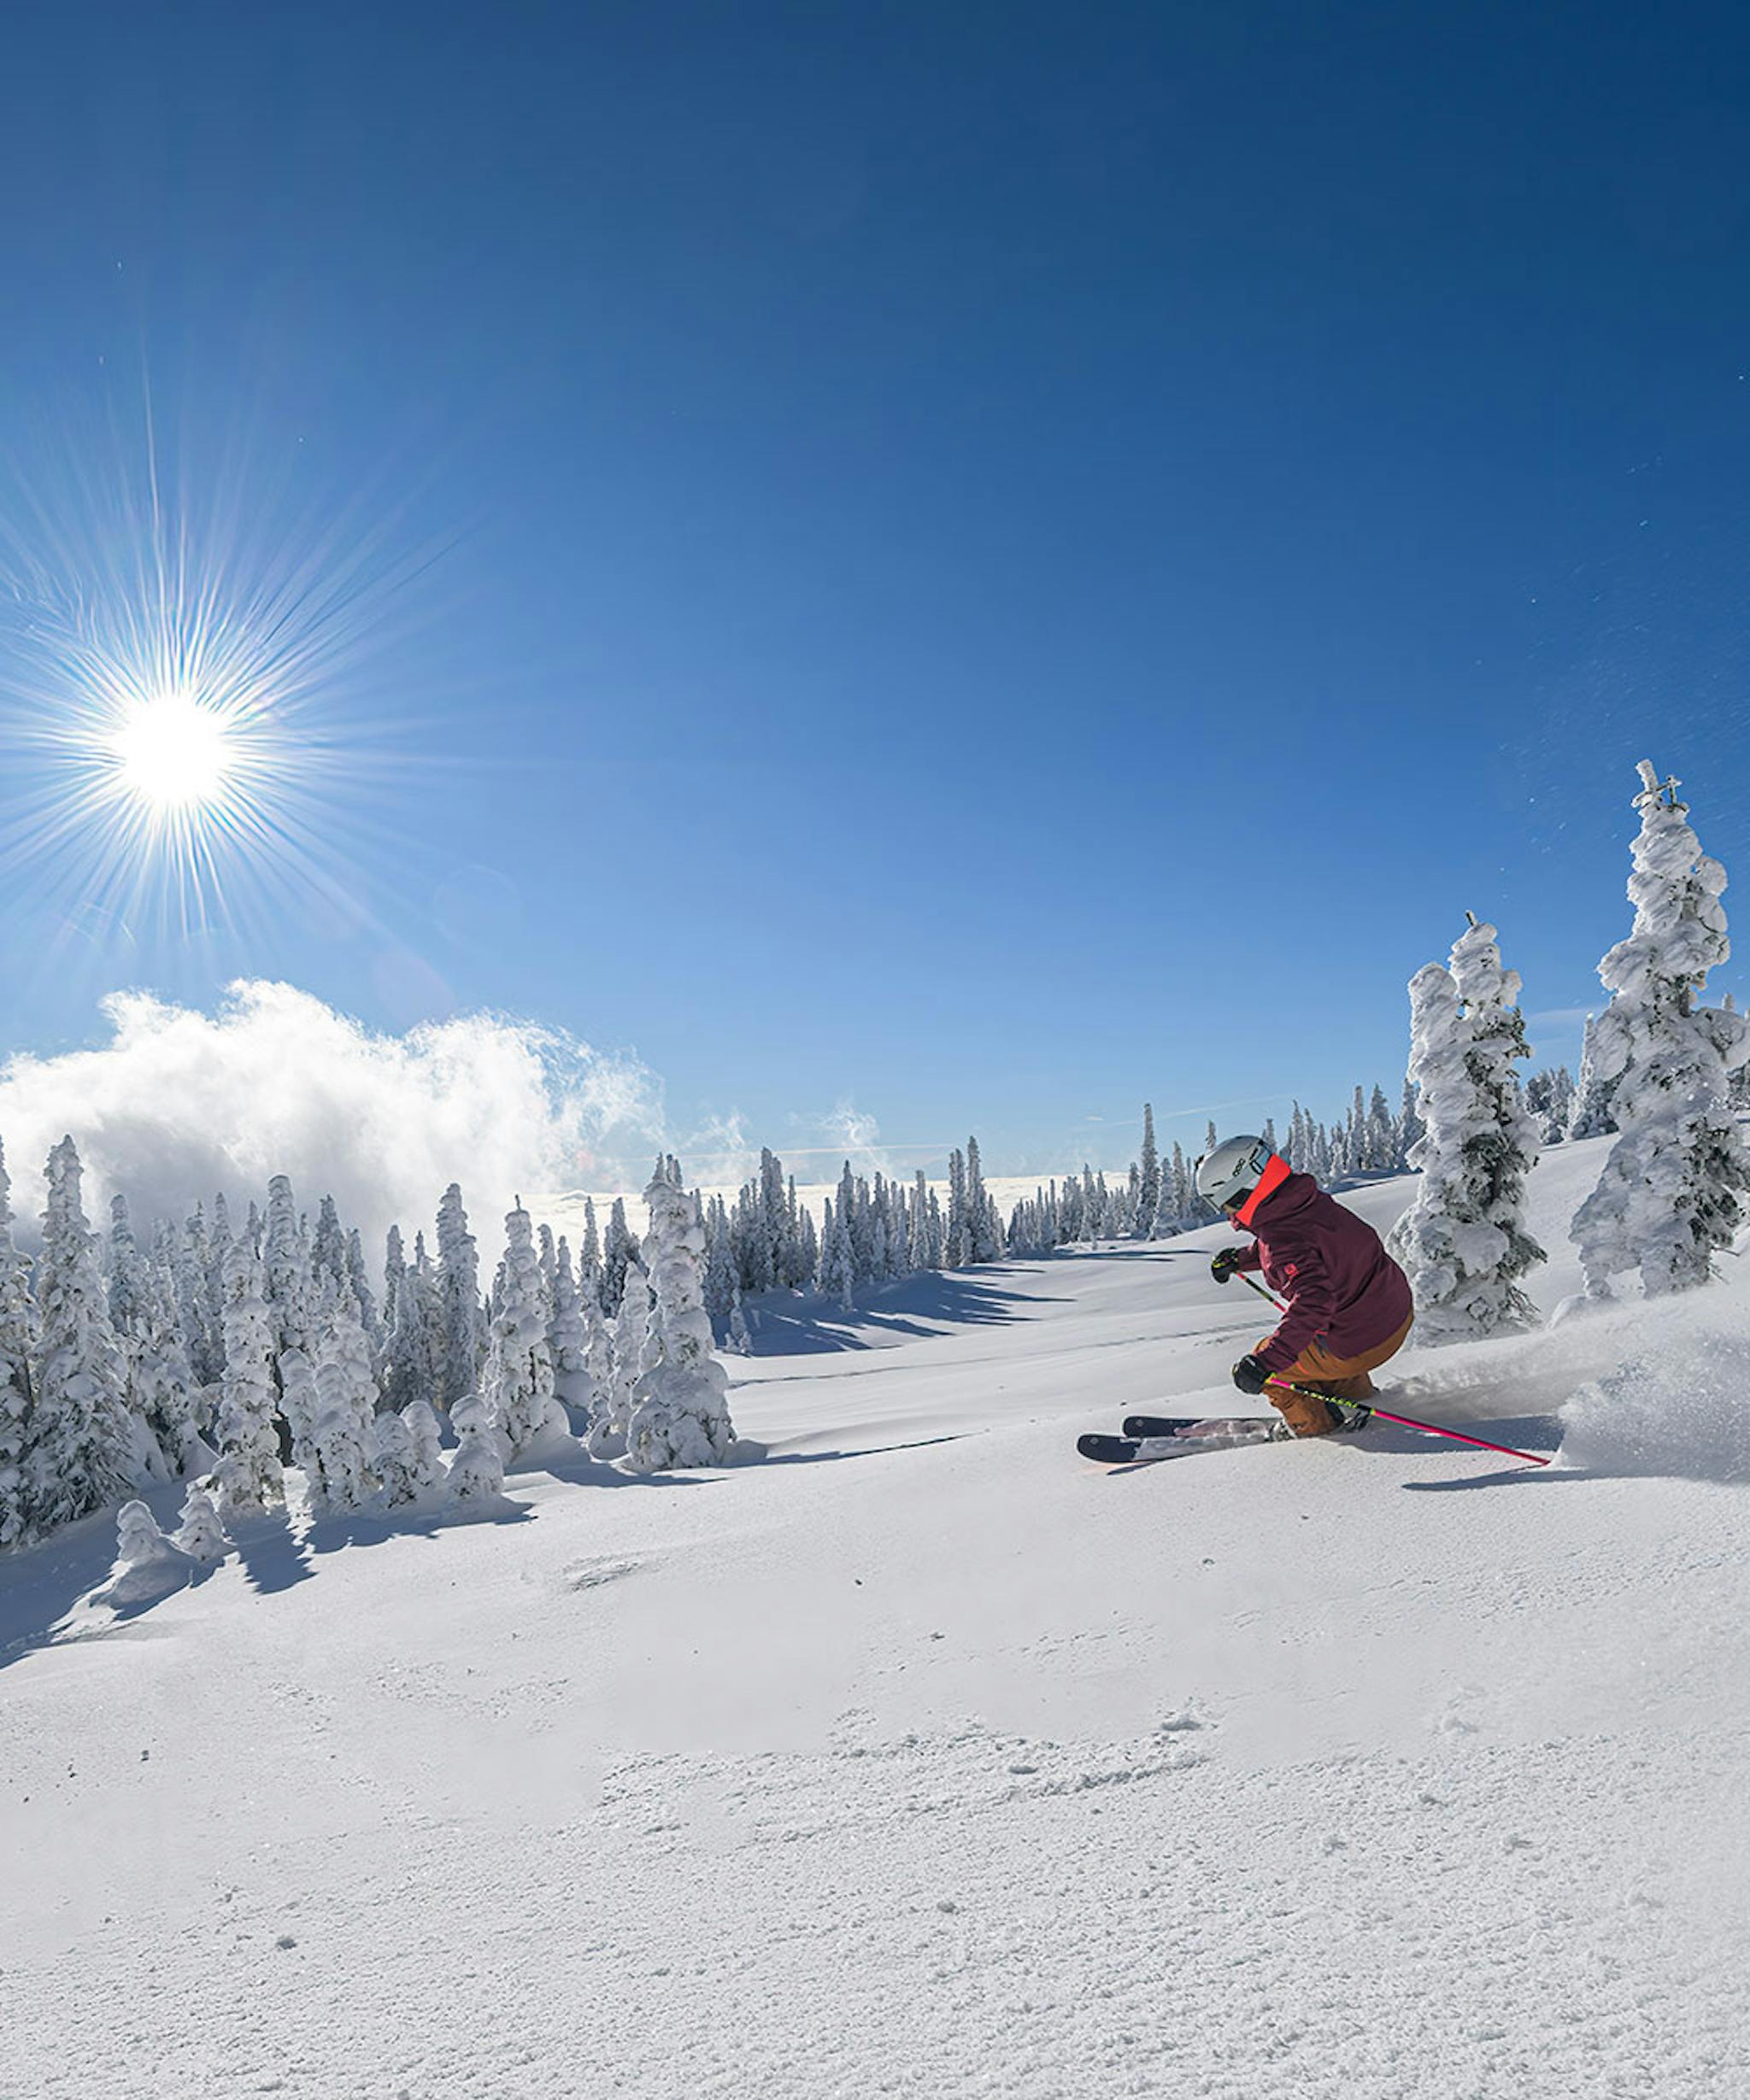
(172, 751)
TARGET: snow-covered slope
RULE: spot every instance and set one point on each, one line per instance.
(924, 1759)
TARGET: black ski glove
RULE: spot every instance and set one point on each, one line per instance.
(1250, 1376)
(1227, 1263)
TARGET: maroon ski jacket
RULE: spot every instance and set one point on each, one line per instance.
(1344, 1291)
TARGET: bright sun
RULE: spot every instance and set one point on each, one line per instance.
(172, 751)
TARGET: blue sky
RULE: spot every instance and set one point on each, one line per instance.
(988, 562)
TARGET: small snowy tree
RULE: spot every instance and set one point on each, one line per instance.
(392, 1460)
(1671, 1189)
(82, 1449)
(425, 1441)
(299, 1401)
(519, 1381)
(199, 1534)
(248, 1474)
(1591, 1114)
(680, 1417)
(459, 1294)
(18, 1349)
(606, 1438)
(568, 1343)
(741, 1343)
(1463, 1241)
(476, 1465)
(340, 1443)
(139, 1541)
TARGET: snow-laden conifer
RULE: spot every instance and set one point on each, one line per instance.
(459, 1291)
(364, 1299)
(680, 1414)
(199, 1534)
(741, 1343)
(206, 1355)
(247, 1474)
(619, 1249)
(568, 1343)
(1591, 1114)
(477, 1465)
(18, 1351)
(413, 1355)
(392, 1460)
(1149, 1177)
(1463, 1241)
(425, 1444)
(1670, 1193)
(344, 1341)
(286, 1284)
(606, 1438)
(408, 1455)
(82, 1449)
(299, 1401)
(598, 1354)
(164, 1395)
(341, 1443)
(139, 1541)
(519, 1381)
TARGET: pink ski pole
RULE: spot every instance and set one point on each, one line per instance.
(1403, 1422)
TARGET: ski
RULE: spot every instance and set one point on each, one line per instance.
(1175, 1425)
(1149, 1450)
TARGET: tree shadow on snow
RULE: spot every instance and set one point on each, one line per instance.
(795, 1323)
(43, 1587)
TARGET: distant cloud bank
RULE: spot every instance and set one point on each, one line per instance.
(178, 1104)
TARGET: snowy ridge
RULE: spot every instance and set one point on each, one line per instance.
(922, 1758)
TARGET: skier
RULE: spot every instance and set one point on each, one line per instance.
(1350, 1307)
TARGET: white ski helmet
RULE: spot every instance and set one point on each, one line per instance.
(1227, 1176)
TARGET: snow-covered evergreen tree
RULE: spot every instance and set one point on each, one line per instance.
(741, 1343)
(200, 1333)
(619, 1248)
(392, 1460)
(394, 1268)
(1148, 1177)
(247, 1474)
(18, 1351)
(328, 1255)
(164, 1395)
(477, 1465)
(1463, 1241)
(82, 1452)
(459, 1289)
(424, 1445)
(1670, 1191)
(139, 1541)
(414, 1356)
(1591, 1115)
(362, 1296)
(343, 1436)
(519, 1381)
(606, 1438)
(680, 1414)
(199, 1534)
(589, 1257)
(568, 1343)
(286, 1284)
(299, 1402)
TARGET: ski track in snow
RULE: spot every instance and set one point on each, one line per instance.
(924, 1760)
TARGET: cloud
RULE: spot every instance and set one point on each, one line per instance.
(179, 1104)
